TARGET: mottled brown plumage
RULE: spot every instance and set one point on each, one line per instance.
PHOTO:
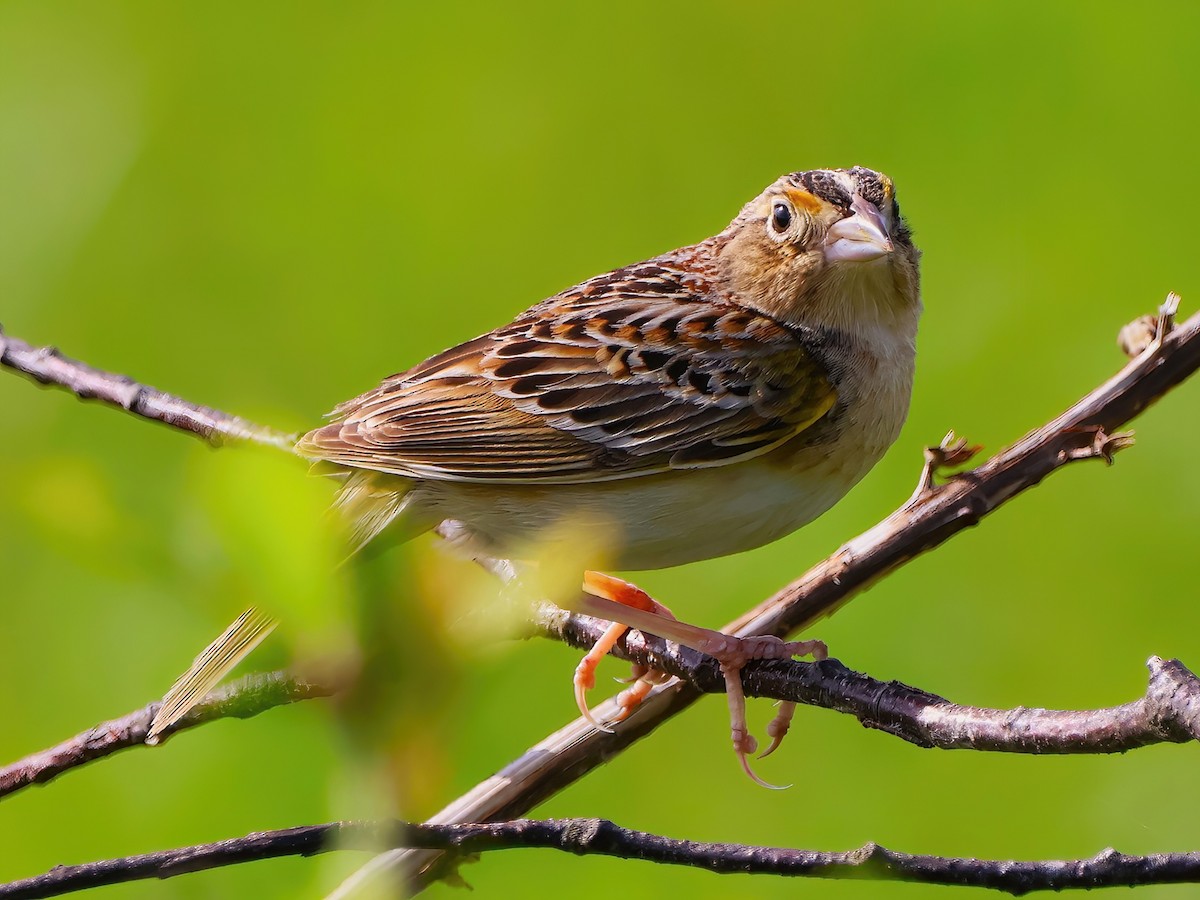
(627, 375)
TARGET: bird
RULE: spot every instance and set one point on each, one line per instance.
(700, 403)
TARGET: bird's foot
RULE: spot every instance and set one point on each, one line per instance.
(643, 612)
(733, 653)
(643, 679)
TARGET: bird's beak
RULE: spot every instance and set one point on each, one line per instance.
(861, 237)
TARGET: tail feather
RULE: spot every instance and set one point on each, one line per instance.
(370, 502)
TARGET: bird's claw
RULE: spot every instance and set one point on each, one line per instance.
(733, 656)
(777, 728)
(585, 680)
(744, 744)
(631, 698)
(731, 652)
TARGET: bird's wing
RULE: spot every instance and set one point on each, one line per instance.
(629, 374)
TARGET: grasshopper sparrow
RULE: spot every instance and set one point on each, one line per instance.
(703, 402)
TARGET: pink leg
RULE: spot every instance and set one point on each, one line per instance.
(585, 672)
(642, 680)
(638, 610)
(731, 667)
(631, 597)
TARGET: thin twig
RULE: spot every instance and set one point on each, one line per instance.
(584, 837)
(241, 699)
(48, 367)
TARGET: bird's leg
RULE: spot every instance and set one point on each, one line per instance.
(733, 653)
(637, 609)
(598, 585)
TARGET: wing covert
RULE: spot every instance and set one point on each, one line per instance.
(632, 373)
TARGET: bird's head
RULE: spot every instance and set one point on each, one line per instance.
(825, 247)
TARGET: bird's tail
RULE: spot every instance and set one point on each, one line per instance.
(370, 502)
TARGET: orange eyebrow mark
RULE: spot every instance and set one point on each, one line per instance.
(804, 200)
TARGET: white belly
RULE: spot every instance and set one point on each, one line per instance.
(651, 522)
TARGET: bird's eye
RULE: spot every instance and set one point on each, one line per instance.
(781, 217)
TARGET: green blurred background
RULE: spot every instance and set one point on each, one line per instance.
(268, 207)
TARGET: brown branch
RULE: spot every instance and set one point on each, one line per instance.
(1168, 712)
(934, 514)
(48, 367)
(242, 699)
(585, 837)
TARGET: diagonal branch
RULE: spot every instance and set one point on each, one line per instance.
(584, 837)
(242, 699)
